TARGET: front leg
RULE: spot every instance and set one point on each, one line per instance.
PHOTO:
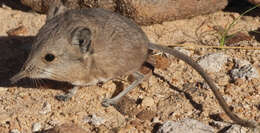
(69, 95)
(138, 79)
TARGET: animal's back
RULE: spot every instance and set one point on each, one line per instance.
(120, 46)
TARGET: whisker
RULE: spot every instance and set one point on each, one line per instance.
(35, 83)
(54, 75)
(43, 82)
(39, 84)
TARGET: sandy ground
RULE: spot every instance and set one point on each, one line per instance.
(175, 92)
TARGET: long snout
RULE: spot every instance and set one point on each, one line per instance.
(18, 77)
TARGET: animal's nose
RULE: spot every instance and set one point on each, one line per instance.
(18, 76)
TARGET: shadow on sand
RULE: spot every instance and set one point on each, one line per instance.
(14, 52)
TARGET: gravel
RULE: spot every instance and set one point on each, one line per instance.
(185, 126)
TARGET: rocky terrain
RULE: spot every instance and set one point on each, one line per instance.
(174, 98)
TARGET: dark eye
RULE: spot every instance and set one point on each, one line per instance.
(81, 41)
(49, 57)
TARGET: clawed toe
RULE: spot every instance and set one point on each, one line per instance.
(64, 98)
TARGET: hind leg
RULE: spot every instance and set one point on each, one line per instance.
(138, 79)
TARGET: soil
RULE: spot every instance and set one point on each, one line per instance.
(174, 92)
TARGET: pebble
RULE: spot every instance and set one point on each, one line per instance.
(14, 131)
(4, 117)
(232, 128)
(4, 6)
(46, 108)
(213, 62)
(236, 129)
(14, 124)
(185, 126)
(19, 31)
(3, 89)
(228, 99)
(244, 70)
(53, 123)
(156, 120)
(36, 127)
(146, 115)
(93, 119)
(128, 129)
(67, 128)
(148, 102)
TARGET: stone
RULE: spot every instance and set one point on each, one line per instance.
(46, 108)
(93, 119)
(36, 127)
(67, 128)
(244, 70)
(185, 126)
(148, 102)
(213, 62)
(236, 129)
(14, 131)
(4, 117)
(146, 115)
(3, 89)
(144, 12)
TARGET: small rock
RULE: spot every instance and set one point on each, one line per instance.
(244, 70)
(21, 30)
(53, 123)
(185, 126)
(213, 62)
(160, 62)
(46, 108)
(236, 129)
(142, 11)
(146, 115)
(156, 120)
(230, 128)
(4, 6)
(67, 128)
(126, 106)
(127, 129)
(14, 124)
(148, 102)
(3, 89)
(228, 99)
(240, 63)
(4, 117)
(93, 119)
(36, 127)
(4, 130)
(14, 131)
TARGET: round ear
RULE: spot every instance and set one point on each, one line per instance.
(55, 9)
(81, 36)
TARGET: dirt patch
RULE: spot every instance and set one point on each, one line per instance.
(177, 91)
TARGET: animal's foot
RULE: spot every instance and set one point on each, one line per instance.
(64, 98)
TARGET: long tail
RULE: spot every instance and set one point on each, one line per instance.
(211, 84)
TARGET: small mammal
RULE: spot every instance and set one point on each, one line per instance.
(89, 46)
